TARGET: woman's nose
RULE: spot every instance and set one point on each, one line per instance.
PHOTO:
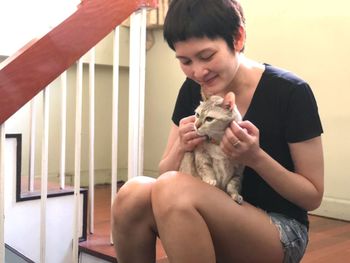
(199, 71)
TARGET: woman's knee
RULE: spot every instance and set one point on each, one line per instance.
(172, 193)
(133, 199)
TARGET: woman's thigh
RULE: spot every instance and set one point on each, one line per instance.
(240, 233)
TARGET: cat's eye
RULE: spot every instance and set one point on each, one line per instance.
(197, 115)
(209, 119)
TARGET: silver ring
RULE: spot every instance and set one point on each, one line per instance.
(236, 143)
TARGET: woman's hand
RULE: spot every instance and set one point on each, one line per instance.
(241, 142)
(189, 139)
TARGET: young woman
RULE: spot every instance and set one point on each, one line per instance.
(279, 142)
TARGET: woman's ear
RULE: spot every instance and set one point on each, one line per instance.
(239, 40)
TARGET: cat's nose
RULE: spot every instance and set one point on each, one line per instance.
(197, 124)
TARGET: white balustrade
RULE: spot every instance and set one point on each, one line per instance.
(91, 139)
(135, 143)
(44, 172)
(137, 92)
(63, 124)
(2, 192)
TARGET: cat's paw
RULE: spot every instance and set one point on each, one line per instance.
(210, 181)
(238, 198)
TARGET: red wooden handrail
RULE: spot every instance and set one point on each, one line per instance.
(41, 61)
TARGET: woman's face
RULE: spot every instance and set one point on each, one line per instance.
(208, 62)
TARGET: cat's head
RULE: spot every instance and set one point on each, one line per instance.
(215, 114)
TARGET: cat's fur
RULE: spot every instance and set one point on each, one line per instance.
(207, 160)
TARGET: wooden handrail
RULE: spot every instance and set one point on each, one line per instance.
(41, 61)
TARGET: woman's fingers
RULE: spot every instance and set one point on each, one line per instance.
(240, 139)
(188, 134)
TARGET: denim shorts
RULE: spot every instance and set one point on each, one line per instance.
(293, 236)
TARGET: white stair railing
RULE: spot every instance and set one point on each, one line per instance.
(135, 143)
(115, 119)
(137, 92)
(44, 173)
(63, 124)
(32, 139)
(91, 139)
(77, 159)
(2, 192)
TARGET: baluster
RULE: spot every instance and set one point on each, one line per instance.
(92, 138)
(77, 159)
(137, 92)
(63, 128)
(115, 106)
(2, 193)
(44, 173)
(32, 138)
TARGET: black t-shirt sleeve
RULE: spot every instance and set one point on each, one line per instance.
(187, 101)
(303, 121)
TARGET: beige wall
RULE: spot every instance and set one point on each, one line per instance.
(310, 38)
(163, 80)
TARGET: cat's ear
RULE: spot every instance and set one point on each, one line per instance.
(229, 101)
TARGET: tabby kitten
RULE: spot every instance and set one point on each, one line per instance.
(207, 160)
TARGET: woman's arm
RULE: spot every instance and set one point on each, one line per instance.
(172, 155)
(304, 187)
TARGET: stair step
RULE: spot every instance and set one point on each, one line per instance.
(100, 248)
(98, 244)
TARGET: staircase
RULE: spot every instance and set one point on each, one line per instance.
(22, 76)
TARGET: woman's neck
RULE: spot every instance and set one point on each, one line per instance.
(246, 81)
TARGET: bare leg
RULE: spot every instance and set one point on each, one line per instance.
(184, 234)
(134, 230)
(200, 223)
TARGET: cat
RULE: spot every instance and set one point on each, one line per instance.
(207, 160)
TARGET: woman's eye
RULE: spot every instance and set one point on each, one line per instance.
(207, 57)
(185, 61)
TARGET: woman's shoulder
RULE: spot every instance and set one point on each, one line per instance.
(278, 74)
(189, 93)
(187, 100)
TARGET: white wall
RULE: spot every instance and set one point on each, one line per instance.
(22, 220)
(30, 19)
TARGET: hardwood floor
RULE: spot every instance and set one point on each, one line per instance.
(329, 241)
(99, 244)
(329, 238)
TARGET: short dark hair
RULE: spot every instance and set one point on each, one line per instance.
(203, 18)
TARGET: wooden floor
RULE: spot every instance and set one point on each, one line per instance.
(329, 239)
(99, 244)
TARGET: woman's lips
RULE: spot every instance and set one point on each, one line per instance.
(209, 80)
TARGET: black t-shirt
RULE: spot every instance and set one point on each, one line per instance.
(284, 110)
